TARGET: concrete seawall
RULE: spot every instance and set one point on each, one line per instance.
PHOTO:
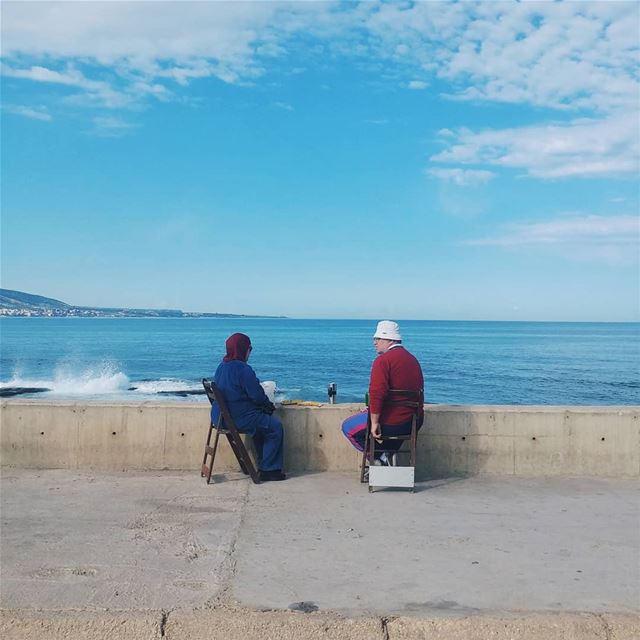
(457, 440)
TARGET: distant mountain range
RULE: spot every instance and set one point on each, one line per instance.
(19, 303)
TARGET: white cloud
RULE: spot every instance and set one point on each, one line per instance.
(577, 57)
(35, 113)
(42, 74)
(614, 239)
(446, 133)
(141, 47)
(111, 127)
(154, 39)
(583, 148)
(140, 32)
(462, 177)
(563, 55)
(285, 106)
(95, 91)
(569, 229)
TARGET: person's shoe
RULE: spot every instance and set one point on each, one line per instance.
(385, 459)
(272, 476)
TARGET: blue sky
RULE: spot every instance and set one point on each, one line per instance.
(342, 160)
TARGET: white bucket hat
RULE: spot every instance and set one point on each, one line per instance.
(388, 330)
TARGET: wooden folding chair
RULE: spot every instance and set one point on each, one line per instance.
(227, 427)
(397, 397)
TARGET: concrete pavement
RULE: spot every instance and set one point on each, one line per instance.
(162, 552)
(458, 545)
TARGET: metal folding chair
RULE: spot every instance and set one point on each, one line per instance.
(397, 397)
(227, 427)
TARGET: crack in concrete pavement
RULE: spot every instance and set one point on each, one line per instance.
(229, 565)
(163, 622)
(606, 627)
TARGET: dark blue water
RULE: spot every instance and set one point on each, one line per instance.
(463, 362)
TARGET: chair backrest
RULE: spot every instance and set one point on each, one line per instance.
(215, 395)
(412, 398)
(208, 390)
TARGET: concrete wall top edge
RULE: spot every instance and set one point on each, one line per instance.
(478, 408)
(103, 403)
(533, 408)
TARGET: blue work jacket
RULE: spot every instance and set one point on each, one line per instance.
(245, 397)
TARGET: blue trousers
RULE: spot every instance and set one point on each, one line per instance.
(268, 441)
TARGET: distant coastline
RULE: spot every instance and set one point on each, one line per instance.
(147, 314)
(18, 304)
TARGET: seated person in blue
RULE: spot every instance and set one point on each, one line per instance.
(249, 407)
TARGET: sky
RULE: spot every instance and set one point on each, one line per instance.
(403, 160)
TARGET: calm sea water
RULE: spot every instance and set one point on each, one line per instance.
(463, 362)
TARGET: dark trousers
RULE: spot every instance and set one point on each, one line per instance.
(269, 445)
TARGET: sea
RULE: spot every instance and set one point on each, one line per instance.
(160, 360)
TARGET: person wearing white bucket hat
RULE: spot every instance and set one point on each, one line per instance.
(394, 368)
(387, 330)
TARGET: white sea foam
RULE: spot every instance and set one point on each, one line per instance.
(270, 389)
(164, 384)
(285, 394)
(19, 381)
(99, 380)
(105, 380)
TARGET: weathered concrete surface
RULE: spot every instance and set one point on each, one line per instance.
(457, 547)
(622, 627)
(232, 623)
(502, 440)
(80, 625)
(533, 627)
(118, 541)
(228, 623)
(142, 556)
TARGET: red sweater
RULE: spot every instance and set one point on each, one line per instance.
(396, 368)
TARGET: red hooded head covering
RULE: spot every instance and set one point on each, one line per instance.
(238, 346)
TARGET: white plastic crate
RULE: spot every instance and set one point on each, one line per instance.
(392, 477)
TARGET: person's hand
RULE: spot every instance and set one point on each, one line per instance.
(269, 408)
(376, 431)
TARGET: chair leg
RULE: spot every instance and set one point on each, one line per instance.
(247, 463)
(213, 456)
(204, 469)
(363, 464)
(414, 441)
(204, 462)
(238, 453)
(414, 447)
(242, 455)
(372, 453)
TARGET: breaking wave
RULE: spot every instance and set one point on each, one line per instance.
(166, 385)
(105, 381)
(93, 381)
